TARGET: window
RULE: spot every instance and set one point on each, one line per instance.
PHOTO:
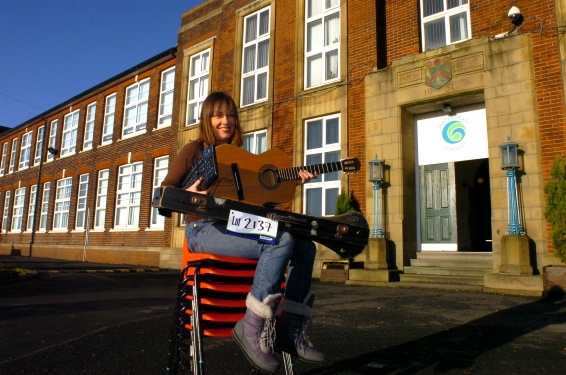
(322, 45)
(31, 208)
(128, 196)
(82, 202)
(13, 155)
(135, 108)
(101, 196)
(444, 22)
(322, 146)
(160, 169)
(6, 211)
(18, 209)
(4, 157)
(255, 142)
(70, 127)
(89, 126)
(44, 206)
(38, 146)
(198, 85)
(109, 111)
(25, 151)
(52, 139)
(255, 64)
(166, 97)
(62, 203)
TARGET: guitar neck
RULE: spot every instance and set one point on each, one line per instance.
(288, 174)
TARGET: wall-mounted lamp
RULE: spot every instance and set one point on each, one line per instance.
(446, 108)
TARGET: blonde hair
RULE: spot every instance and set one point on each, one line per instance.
(214, 103)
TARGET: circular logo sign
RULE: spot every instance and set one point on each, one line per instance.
(454, 132)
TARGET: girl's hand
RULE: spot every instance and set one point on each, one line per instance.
(306, 176)
(194, 187)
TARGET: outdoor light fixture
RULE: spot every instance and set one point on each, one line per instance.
(446, 109)
(510, 163)
(376, 178)
(509, 155)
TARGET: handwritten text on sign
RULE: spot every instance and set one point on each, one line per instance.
(251, 226)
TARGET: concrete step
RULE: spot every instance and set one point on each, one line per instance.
(442, 279)
(455, 255)
(437, 286)
(450, 263)
(442, 271)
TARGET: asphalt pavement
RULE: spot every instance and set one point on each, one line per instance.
(362, 330)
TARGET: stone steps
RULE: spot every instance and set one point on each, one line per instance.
(448, 269)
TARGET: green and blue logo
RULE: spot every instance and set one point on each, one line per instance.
(454, 132)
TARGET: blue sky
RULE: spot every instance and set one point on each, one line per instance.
(52, 50)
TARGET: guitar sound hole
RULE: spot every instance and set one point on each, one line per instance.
(267, 176)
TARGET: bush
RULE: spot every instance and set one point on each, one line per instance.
(555, 207)
(344, 203)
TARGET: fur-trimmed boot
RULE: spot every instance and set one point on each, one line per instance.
(294, 329)
(255, 333)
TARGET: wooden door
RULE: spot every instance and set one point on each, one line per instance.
(438, 207)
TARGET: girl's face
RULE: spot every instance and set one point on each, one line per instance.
(223, 125)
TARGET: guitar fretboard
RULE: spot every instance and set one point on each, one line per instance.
(288, 174)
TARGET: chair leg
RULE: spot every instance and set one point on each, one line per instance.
(287, 363)
(176, 336)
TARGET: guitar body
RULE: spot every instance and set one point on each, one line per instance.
(258, 183)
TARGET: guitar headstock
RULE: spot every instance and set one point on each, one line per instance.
(350, 165)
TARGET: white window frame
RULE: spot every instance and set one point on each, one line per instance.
(39, 146)
(18, 209)
(52, 139)
(62, 204)
(128, 196)
(70, 130)
(82, 196)
(136, 104)
(326, 183)
(6, 211)
(197, 89)
(160, 169)
(89, 126)
(31, 207)
(4, 158)
(322, 56)
(101, 199)
(443, 17)
(255, 142)
(44, 206)
(256, 37)
(25, 150)
(166, 97)
(13, 155)
(109, 118)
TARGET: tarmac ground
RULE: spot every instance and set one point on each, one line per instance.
(76, 317)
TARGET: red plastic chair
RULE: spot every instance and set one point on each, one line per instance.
(211, 298)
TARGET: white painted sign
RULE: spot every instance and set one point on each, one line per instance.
(452, 138)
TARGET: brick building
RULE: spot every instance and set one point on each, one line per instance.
(323, 81)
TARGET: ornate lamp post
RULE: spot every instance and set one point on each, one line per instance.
(510, 163)
(376, 178)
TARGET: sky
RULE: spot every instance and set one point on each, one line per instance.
(52, 50)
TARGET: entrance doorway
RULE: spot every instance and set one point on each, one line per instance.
(455, 206)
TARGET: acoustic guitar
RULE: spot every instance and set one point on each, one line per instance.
(267, 179)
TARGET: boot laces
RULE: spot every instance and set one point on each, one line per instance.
(302, 339)
(266, 336)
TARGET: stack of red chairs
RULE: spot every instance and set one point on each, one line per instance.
(211, 298)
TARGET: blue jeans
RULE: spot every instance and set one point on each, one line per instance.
(207, 236)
